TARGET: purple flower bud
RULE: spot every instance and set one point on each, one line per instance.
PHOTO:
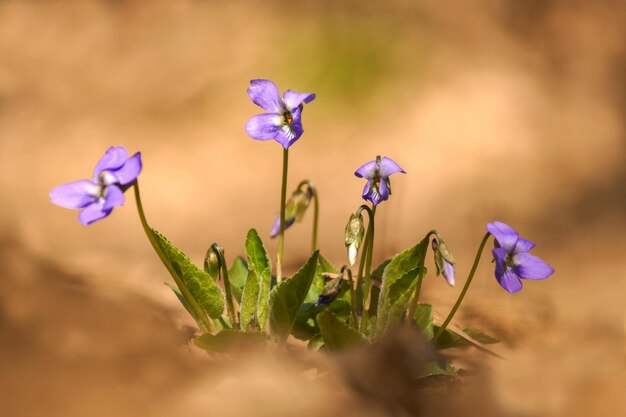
(97, 197)
(377, 172)
(513, 260)
(443, 260)
(282, 122)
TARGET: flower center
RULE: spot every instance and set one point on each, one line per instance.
(508, 261)
(288, 117)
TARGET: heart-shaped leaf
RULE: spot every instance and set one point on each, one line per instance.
(336, 333)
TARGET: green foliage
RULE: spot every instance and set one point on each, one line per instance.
(336, 333)
(229, 339)
(287, 298)
(397, 297)
(423, 318)
(250, 303)
(397, 268)
(259, 271)
(454, 336)
(441, 368)
(306, 325)
(238, 274)
(323, 266)
(377, 276)
(197, 282)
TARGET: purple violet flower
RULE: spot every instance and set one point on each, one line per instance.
(282, 122)
(513, 260)
(97, 197)
(377, 172)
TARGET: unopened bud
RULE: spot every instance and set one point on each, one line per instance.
(443, 260)
(354, 236)
(212, 263)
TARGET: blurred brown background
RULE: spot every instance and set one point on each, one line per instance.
(498, 110)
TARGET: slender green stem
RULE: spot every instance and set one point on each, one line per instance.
(467, 284)
(316, 210)
(355, 316)
(364, 255)
(199, 314)
(368, 267)
(281, 236)
(230, 306)
(418, 287)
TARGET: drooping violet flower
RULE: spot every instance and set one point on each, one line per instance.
(513, 260)
(377, 172)
(282, 122)
(275, 230)
(443, 260)
(97, 197)
(295, 209)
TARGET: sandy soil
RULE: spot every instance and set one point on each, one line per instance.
(510, 111)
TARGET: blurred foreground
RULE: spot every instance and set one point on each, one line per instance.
(511, 111)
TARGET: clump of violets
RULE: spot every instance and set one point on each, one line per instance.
(377, 173)
(283, 120)
(513, 260)
(99, 196)
(320, 303)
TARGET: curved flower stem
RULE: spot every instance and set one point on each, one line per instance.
(198, 312)
(281, 236)
(369, 236)
(316, 209)
(418, 287)
(368, 267)
(467, 284)
(355, 317)
(230, 306)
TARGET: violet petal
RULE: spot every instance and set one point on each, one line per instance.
(504, 234)
(509, 281)
(293, 100)
(130, 170)
(531, 267)
(77, 194)
(114, 197)
(113, 159)
(448, 272)
(288, 134)
(264, 126)
(367, 170)
(388, 167)
(93, 212)
(264, 94)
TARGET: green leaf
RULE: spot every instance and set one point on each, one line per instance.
(250, 302)
(259, 265)
(317, 286)
(480, 336)
(396, 300)
(445, 368)
(181, 298)
(197, 282)
(377, 276)
(337, 334)
(238, 274)
(305, 326)
(287, 297)
(423, 318)
(397, 268)
(454, 336)
(228, 340)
